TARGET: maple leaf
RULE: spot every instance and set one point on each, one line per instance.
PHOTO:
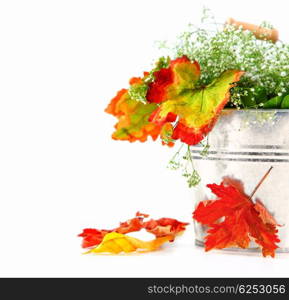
(198, 108)
(234, 220)
(161, 228)
(116, 243)
(265, 214)
(92, 237)
(165, 226)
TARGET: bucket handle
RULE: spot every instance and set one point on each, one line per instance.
(260, 33)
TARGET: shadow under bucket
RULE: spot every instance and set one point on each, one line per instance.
(244, 144)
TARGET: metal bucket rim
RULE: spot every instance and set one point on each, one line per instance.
(257, 109)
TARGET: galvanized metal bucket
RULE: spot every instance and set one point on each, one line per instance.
(244, 144)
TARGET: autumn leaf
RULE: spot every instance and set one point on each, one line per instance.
(132, 225)
(116, 243)
(165, 226)
(265, 214)
(169, 103)
(198, 108)
(234, 221)
(166, 134)
(181, 75)
(164, 229)
(92, 237)
(133, 118)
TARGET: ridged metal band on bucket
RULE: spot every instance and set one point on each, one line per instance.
(244, 144)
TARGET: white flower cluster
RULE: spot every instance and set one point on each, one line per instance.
(266, 63)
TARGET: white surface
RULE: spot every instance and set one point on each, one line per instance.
(60, 64)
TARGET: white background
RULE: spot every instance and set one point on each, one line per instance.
(60, 64)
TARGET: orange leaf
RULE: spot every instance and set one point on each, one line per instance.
(160, 228)
(133, 118)
(234, 221)
(264, 214)
(165, 226)
(92, 237)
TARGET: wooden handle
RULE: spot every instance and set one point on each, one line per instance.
(261, 33)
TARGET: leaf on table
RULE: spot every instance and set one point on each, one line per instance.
(165, 226)
(92, 237)
(198, 108)
(116, 243)
(131, 225)
(164, 229)
(234, 220)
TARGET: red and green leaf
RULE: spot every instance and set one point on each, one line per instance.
(171, 95)
(198, 109)
(133, 118)
(169, 82)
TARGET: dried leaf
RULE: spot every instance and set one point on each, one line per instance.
(116, 243)
(165, 228)
(92, 237)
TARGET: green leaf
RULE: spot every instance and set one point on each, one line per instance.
(255, 97)
(285, 102)
(273, 102)
(198, 109)
(260, 94)
(249, 101)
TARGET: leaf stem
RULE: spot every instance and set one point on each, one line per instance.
(260, 182)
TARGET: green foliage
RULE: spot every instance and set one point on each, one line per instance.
(285, 102)
(138, 92)
(184, 161)
(218, 49)
(275, 102)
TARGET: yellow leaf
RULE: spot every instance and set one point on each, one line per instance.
(116, 243)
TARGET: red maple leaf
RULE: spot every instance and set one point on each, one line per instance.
(160, 228)
(234, 220)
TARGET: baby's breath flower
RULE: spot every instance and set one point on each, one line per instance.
(266, 63)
